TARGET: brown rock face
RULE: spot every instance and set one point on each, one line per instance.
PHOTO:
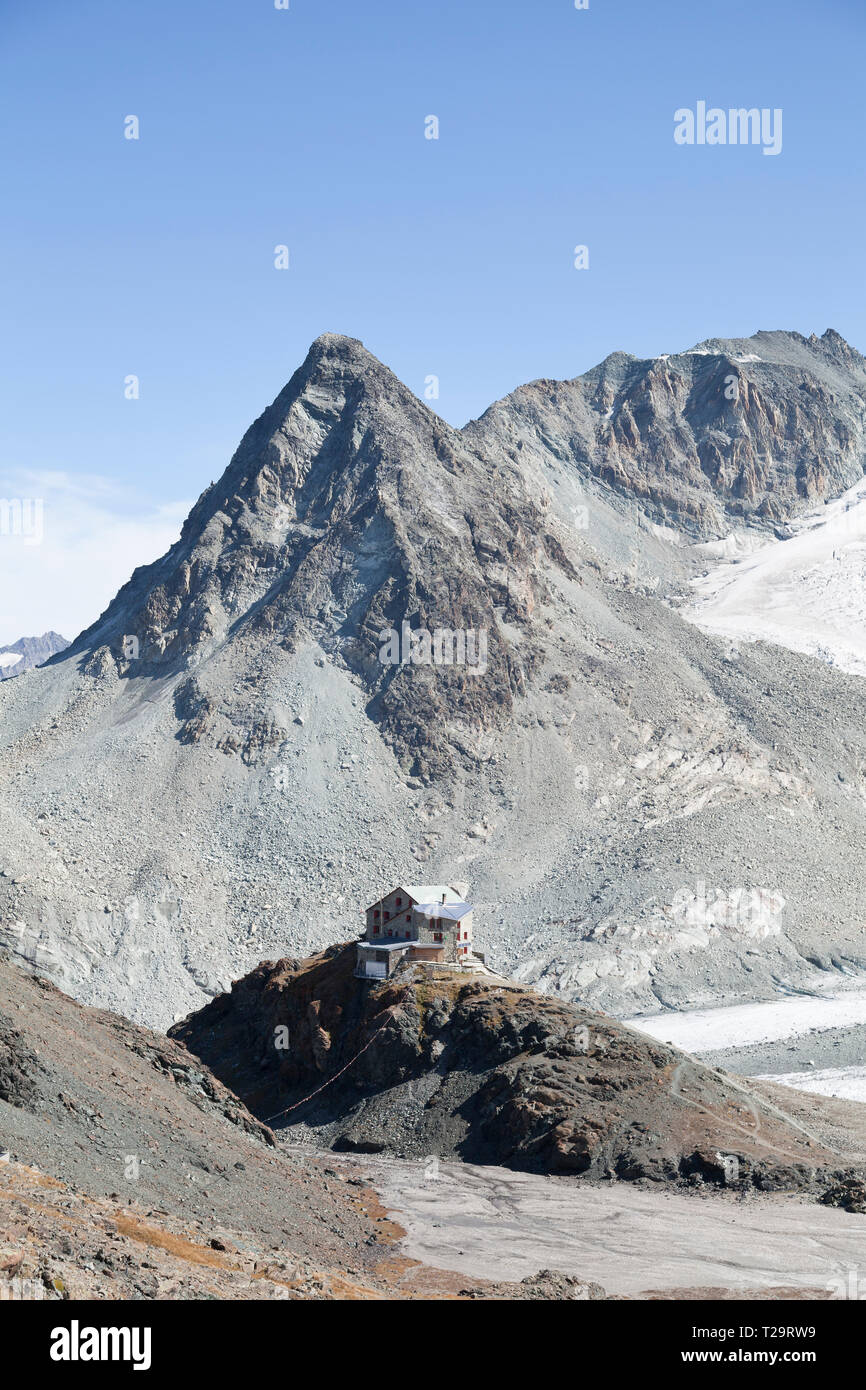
(442, 1063)
(751, 428)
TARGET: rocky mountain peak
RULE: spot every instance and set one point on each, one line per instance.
(746, 431)
(349, 510)
(342, 440)
(28, 652)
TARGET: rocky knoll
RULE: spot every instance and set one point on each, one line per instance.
(436, 1063)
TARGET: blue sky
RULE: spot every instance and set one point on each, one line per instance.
(452, 257)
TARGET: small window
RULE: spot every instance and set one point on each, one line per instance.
(390, 933)
(408, 935)
(398, 902)
(408, 917)
(376, 912)
(375, 931)
(437, 936)
(387, 916)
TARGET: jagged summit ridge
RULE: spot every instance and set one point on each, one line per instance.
(787, 347)
(748, 429)
(730, 432)
(28, 652)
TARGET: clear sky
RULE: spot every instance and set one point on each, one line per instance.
(305, 127)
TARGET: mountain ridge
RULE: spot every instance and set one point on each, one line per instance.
(362, 368)
(31, 651)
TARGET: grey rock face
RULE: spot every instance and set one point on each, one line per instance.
(224, 766)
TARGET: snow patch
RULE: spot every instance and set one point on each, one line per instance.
(807, 593)
(846, 1083)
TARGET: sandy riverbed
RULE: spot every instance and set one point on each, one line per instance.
(493, 1223)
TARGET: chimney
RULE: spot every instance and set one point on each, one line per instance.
(443, 897)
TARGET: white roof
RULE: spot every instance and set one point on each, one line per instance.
(431, 892)
(385, 945)
(452, 911)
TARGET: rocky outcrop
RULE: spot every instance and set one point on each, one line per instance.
(20, 1068)
(546, 1284)
(441, 1063)
(850, 1195)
